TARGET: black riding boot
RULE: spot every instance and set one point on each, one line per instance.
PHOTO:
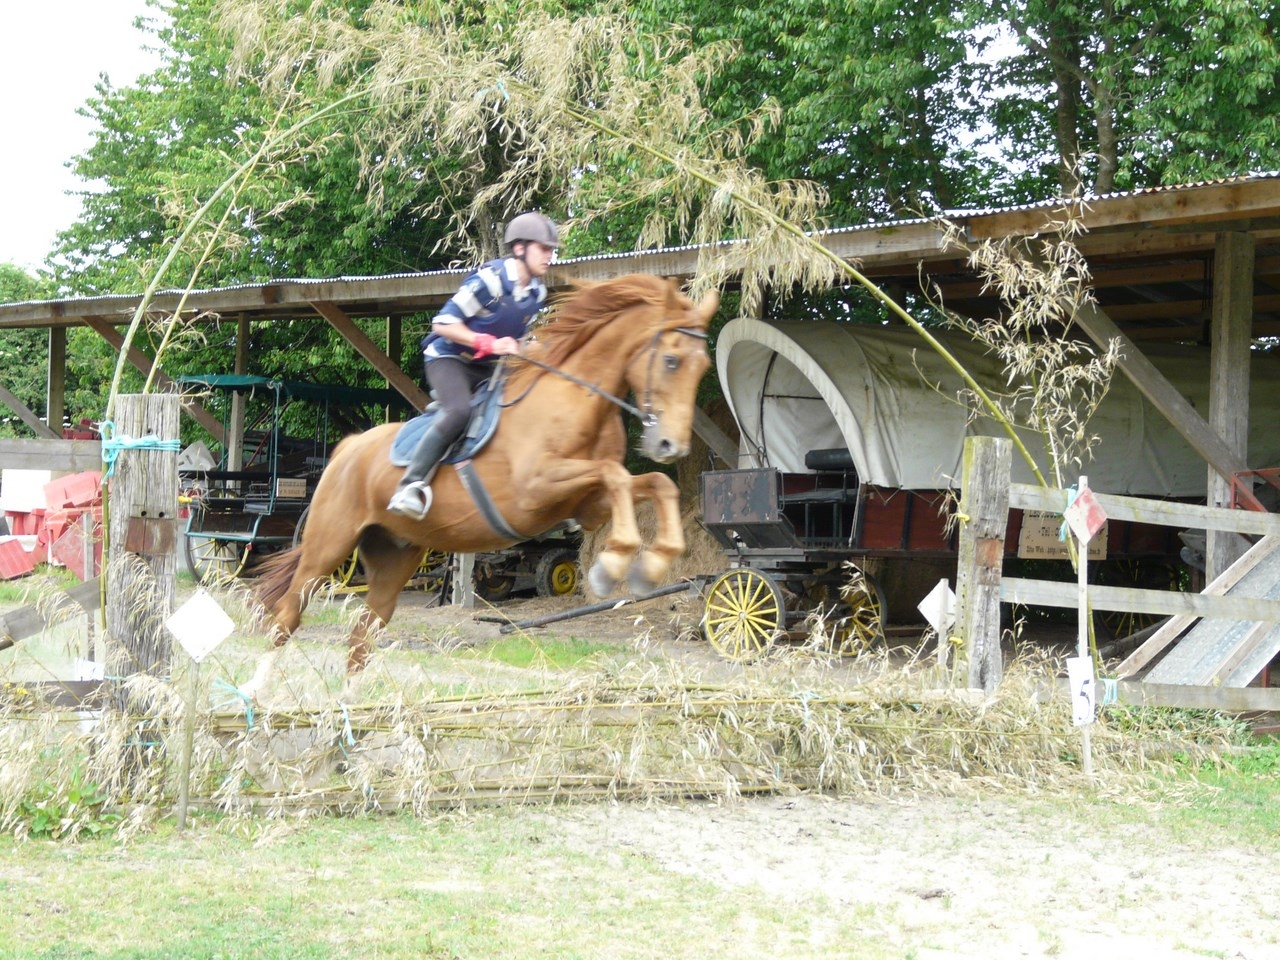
(413, 497)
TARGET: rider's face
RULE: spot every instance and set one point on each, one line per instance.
(537, 257)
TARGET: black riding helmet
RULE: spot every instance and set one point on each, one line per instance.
(533, 227)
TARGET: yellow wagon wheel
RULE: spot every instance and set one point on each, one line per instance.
(213, 561)
(862, 626)
(557, 573)
(745, 613)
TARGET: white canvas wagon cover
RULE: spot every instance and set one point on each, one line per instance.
(814, 385)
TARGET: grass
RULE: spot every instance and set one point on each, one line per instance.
(492, 884)
(551, 653)
(515, 883)
(25, 590)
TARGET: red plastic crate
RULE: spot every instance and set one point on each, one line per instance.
(14, 560)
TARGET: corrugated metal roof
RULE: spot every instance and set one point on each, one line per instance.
(955, 214)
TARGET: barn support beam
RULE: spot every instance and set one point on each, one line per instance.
(56, 380)
(365, 346)
(234, 445)
(143, 363)
(1161, 394)
(1230, 326)
(26, 414)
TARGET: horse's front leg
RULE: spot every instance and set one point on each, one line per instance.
(652, 565)
(570, 480)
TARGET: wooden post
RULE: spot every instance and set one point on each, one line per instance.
(984, 515)
(142, 532)
(56, 381)
(1231, 325)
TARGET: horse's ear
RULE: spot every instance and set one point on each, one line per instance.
(707, 308)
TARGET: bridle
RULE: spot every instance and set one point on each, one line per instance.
(645, 413)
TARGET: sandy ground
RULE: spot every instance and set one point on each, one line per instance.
(948, 878)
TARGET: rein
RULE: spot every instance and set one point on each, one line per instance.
(645, 415)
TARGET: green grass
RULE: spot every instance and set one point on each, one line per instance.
(492, 884)
(553, 653)
(23, 590)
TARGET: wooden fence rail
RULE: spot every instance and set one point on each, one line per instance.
(979, 634)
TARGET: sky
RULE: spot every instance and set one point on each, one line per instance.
(51, 53)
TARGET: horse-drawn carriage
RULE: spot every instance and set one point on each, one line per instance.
(850, 441)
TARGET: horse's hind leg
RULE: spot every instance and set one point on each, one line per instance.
(320, 557)
(387, 568)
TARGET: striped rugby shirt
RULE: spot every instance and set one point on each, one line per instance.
(486, 302)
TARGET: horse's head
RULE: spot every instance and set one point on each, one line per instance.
(664, 374)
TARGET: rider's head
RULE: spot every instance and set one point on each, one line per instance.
(532, 239)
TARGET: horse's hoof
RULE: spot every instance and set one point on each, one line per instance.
(599, 582)
(638, 583)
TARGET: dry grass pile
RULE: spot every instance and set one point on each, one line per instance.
(633, 732)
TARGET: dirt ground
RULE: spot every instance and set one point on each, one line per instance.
(990, 877)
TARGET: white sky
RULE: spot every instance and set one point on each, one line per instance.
(51, 53)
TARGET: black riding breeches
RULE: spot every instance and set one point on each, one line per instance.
(453, 382)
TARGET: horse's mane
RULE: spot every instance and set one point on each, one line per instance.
(578, 315)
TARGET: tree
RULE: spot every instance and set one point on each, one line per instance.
(23, 378)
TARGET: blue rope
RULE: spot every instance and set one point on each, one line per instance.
(346, 727)
(112, 445)
(1110, 691)
(239, 695)
(1072, 493)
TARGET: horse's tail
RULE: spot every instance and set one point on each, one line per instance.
(275, 574)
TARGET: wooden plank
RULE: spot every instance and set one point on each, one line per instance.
(1162, 394)
(72, 456)
(1049, 593)
(68, 694)
(1183, 696)
(389, 369)
(29, 620)
(1164, 513)
(715, 438)
(1171, 629)
(984, 517)
(56, 382)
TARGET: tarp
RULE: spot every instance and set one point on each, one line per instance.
(812, 385)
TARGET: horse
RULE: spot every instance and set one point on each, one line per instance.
(556, 455)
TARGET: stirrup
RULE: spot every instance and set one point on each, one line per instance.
(412, 500)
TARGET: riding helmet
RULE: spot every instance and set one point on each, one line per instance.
(532, 227)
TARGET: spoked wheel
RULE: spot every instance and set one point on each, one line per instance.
(557, 573)
(745, 614)
(212, 561)
(433, 573)
(862, 625)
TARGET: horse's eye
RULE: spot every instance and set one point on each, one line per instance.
(672, 362)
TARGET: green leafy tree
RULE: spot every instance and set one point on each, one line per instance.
(23, 378)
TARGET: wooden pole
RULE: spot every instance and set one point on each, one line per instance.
(984, 516)
(142, 526)
(1232, 327)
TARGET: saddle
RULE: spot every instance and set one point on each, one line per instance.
(485, 407)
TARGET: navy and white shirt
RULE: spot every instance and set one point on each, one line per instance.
(487, 302)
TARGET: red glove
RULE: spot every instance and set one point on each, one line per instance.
(483, 345)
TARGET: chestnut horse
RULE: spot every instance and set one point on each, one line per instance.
(557, 454)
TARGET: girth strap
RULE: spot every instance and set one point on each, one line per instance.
(480, 497)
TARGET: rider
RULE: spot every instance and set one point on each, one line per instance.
(484, 320)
